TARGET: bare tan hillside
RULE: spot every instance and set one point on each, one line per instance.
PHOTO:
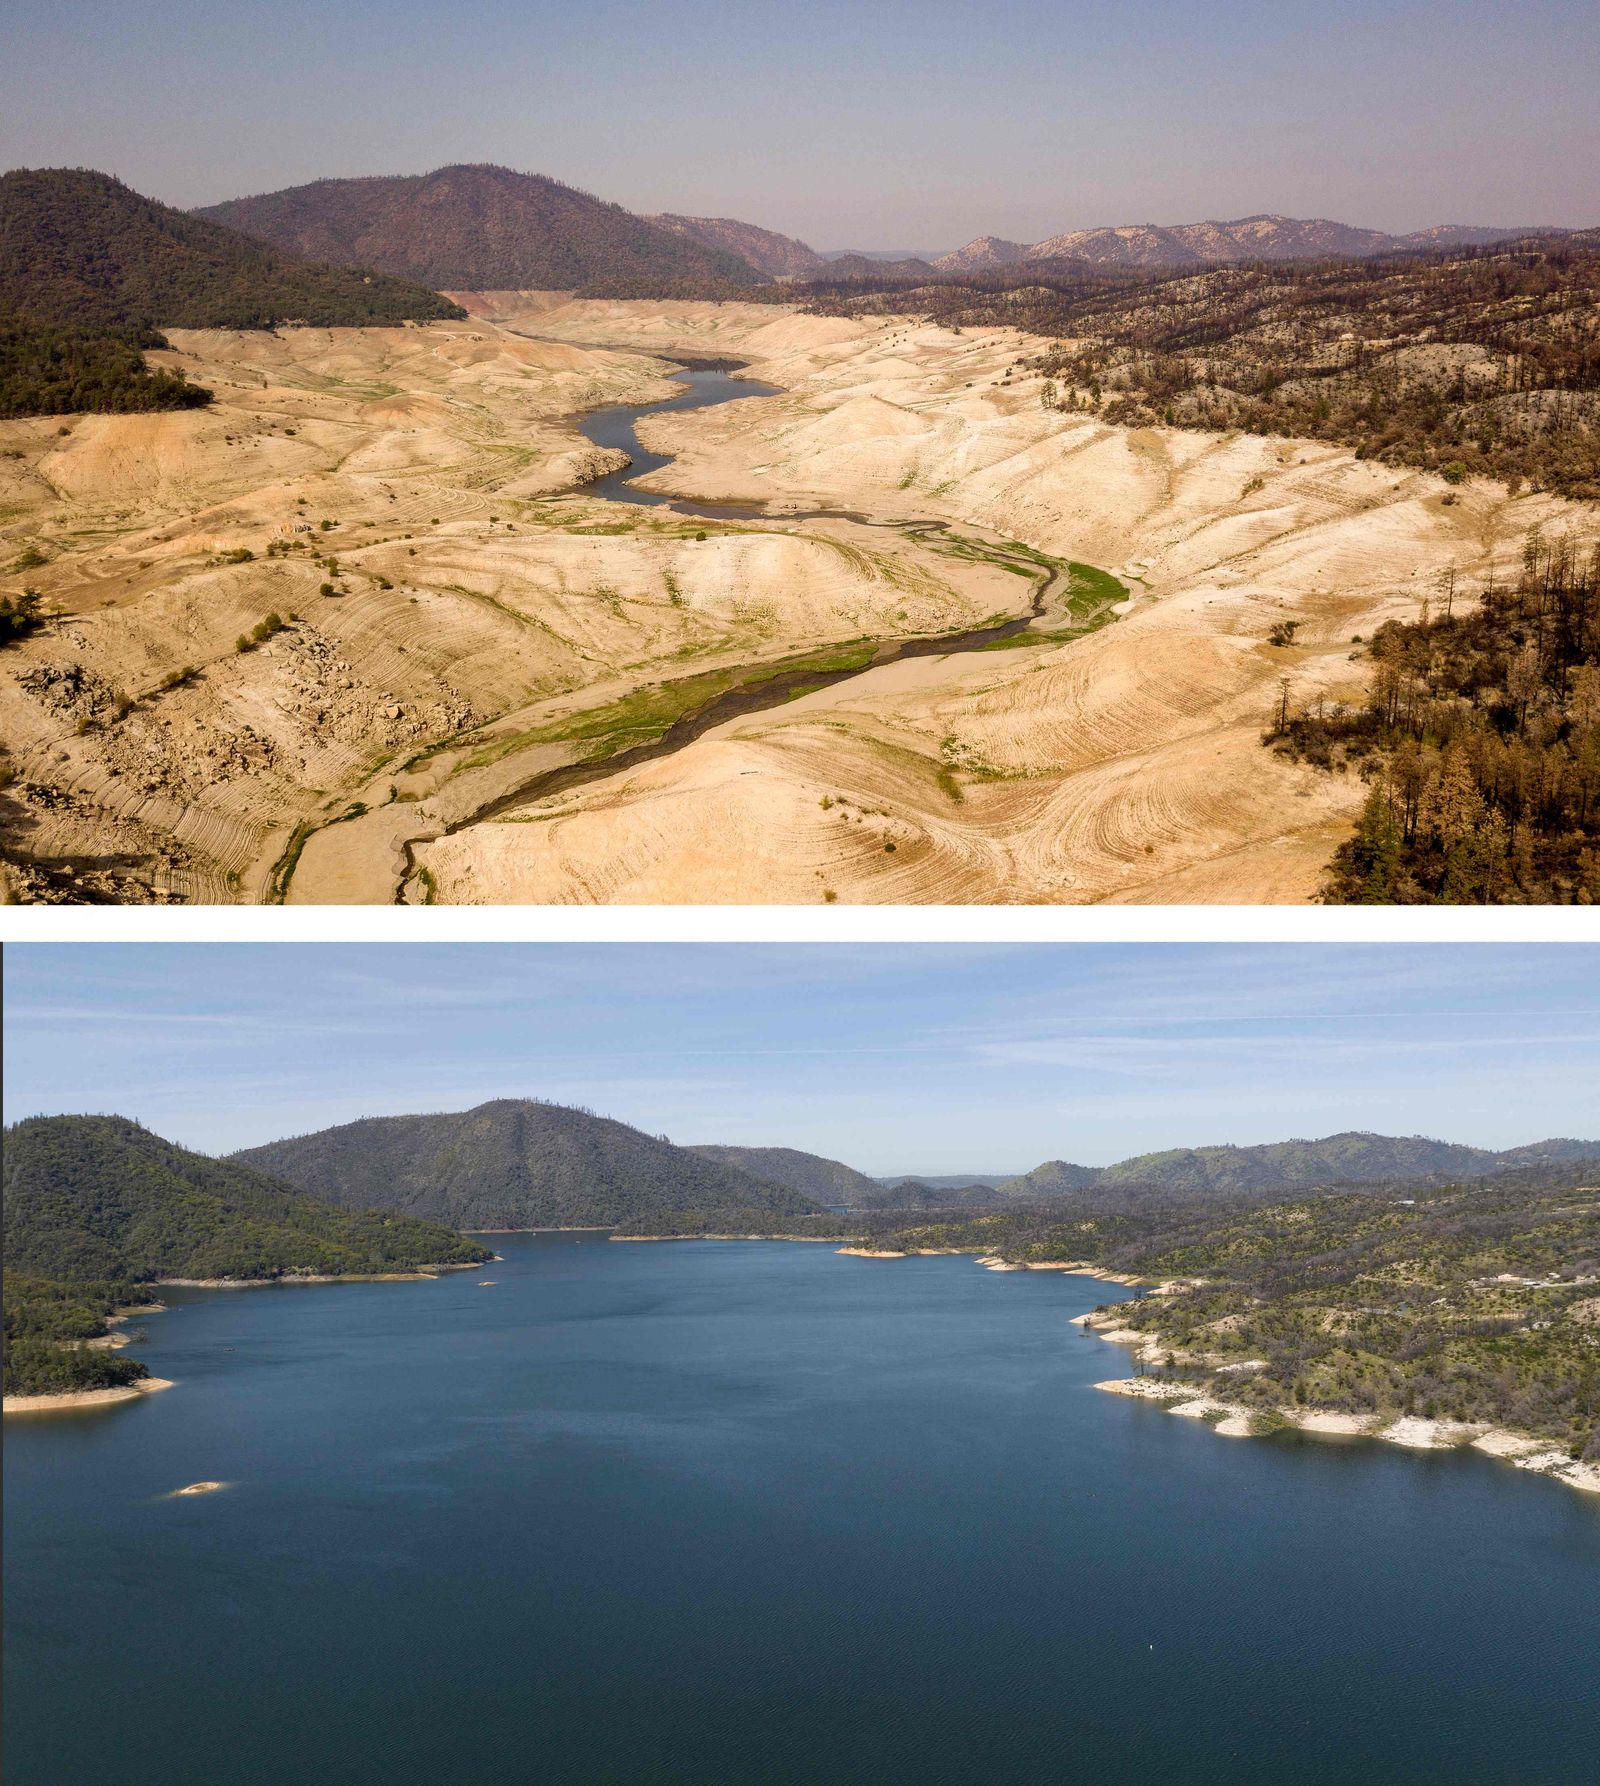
(1125, 766)
(394, 497)
(471, 623)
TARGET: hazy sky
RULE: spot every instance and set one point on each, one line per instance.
(884, 124)
(930, 1058)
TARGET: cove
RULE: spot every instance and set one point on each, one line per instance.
(755, 1513)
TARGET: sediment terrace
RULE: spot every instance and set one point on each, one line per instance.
(474, 691)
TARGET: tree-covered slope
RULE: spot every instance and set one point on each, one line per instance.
(474, 228)
(50, 369)
(921, 1193)
(515, 1163)
(92, 1198)
(1354, 1157)
(772, 255)
(1472, 1300)
(1055, 1178)
(823, 1181)
(1465, 1302)
(78, 247)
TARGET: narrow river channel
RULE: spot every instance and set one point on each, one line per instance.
(761, 686)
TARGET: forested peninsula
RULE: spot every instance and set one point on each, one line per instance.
(98, 1211)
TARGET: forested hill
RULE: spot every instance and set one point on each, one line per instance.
(515, 1163)
(475, 228)
(823, 1181)
(91, 1198)
(1472, 1300)
(80, 248)
(772, 255)
(1467, 361)
(1353, 1157)
(96, 1206)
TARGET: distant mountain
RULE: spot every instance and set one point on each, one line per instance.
(98, 1197)
(475, 228)
(1354, 1157)
(949, 1181)
(1055, 1178)
(771, 255)
(515, 1163)
(81, 249)
(980, 254)
(824, 1181)
(874, 266)
(1266, 237)
(922, 1193)
(928, 255)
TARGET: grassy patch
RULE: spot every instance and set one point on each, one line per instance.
(1092, 588)
(283, 869)
(648, 713)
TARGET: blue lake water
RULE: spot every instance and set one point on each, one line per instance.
(752, 1512)
(614, 427)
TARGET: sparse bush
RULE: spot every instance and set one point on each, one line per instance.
(19, 615)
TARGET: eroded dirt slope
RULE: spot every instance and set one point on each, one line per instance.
(1123, 766)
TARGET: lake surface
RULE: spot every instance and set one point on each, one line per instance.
(614, 427)
(749, 1512)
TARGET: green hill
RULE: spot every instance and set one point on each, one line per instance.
(1354, 1157)
(475, 228)
(91, 1198)
(823, 1181)
(924, 1193)
(78, 247)
(515, 1163)
(46, 369)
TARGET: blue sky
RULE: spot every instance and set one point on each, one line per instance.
(931, 1058)
(891, 124)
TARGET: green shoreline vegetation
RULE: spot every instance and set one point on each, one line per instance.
(1470, 1300)
(91, 272)
(97, 1209)
(1462, 1296)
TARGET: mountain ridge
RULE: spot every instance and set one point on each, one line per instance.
(92, 1198)
(1349, 1157)
(79, 248)
(515, 1163)
(473, 226)
(767, 251)
(1263, 236)
(812, 1175)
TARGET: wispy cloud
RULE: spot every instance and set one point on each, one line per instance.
(892, 1058)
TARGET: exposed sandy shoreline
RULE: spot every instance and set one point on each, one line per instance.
(803, 1239)
(426, 1275)
(104, 1398)
(84, 1398)
(1233, 1420)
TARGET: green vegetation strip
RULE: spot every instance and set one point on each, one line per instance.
(649, 713)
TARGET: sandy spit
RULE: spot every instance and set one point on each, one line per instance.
(802, 1239)
(84, 1398)
(426, 1275)
(1233, 1421)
